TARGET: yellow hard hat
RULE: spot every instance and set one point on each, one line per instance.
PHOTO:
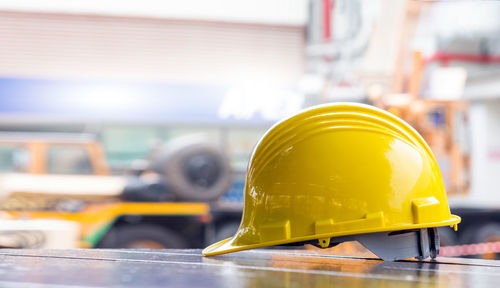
(337, 170)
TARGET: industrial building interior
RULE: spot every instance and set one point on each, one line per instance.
(128, 132)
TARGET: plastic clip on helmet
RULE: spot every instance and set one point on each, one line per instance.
(343, 172)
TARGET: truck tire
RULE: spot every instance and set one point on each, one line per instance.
(143, 236)
(193, 169)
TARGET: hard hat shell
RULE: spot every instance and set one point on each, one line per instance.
(335, 170)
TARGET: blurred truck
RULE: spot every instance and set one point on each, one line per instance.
(169, 201)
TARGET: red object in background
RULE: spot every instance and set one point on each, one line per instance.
(327, 10)
(445, 57)
(328, 6)
(470, 249)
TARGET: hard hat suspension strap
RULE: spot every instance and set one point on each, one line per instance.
(392, 245)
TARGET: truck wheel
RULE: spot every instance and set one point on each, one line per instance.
(143, 237)
(193, 169)
(487, 233)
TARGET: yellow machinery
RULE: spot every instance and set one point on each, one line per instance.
(64, 177)
(95, 220)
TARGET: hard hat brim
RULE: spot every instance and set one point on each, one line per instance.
(228, 246)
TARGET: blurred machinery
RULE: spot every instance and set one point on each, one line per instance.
(64, 178)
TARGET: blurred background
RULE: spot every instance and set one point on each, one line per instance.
(129, 124)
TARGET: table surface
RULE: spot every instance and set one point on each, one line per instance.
(255, 268)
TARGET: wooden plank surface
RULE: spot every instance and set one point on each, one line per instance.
(256, 268)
